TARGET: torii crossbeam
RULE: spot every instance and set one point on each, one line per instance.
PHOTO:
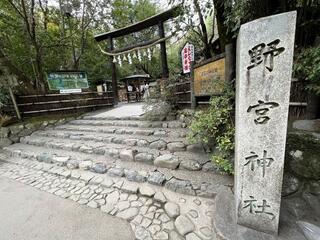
(159, 20)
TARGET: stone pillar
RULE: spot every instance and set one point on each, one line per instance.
(264, 67)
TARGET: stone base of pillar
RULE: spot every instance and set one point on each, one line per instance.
(225, 227)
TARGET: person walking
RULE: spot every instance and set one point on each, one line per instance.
(136, 91)
(146, 91)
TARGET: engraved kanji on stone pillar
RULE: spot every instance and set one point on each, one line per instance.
(264, 67)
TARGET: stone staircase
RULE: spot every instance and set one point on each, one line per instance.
(155, 152)
(142, 171)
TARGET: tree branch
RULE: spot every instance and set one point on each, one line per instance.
(213, 26)
(15, 8)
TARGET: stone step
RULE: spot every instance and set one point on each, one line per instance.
(153, 212)
(127, 139)
(131, 118)
(147, 155)
(129, 123)
(157, 132)
(195, 183)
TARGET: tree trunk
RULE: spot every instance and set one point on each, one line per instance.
(230, 62)
(39, 71)
(62, 29)
(222, 29)
(205, 38)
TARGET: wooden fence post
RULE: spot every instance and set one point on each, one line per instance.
(192, 94)
(13, 98)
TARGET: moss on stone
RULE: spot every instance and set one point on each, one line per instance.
(303, 156)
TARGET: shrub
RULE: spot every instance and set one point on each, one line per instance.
(4, 99)
(307, 67)
(215, 128)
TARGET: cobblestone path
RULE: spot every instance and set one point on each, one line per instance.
(143, 172)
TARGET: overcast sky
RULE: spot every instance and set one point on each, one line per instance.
(162, 4)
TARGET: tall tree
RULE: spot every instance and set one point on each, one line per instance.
(32, 40)
(26, 11)
(199, 19)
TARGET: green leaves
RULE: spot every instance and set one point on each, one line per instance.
(66, 42)
(7, 79)
(224, 164)
(307, 67)
(215, 127)
(4, 97)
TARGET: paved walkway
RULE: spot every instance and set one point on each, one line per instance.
(154, 213)
(122, 110)
(27, 213)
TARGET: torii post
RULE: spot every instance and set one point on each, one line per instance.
(159, 20)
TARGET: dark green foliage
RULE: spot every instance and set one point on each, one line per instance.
(4, 98)
(66, 41)
(307, 67)
(215, 127)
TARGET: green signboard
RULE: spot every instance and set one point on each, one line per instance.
(67, 80)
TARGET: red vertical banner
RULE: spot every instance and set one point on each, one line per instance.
(187, 55)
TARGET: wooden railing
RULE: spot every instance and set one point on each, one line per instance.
(298, 97)
(58, 103)
(182, 93)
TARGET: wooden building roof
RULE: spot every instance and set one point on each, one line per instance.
(137, 76)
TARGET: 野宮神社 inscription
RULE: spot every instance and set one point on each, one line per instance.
(254, 207)
(265, 53)
(264, 67)
(261, 109)
(255, 161)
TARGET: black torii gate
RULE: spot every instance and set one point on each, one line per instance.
(159, 20)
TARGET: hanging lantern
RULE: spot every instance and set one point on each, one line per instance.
(114, 59)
